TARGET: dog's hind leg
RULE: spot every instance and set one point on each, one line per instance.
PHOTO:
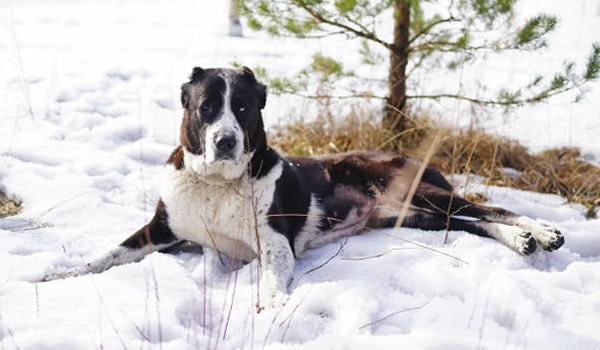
(155, 236)
(547, 237)
(499, 223)
(512, 236)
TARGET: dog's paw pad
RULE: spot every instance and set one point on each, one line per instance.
(556, 242)
(525, 243)
(549, 238)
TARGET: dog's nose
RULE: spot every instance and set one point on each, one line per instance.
(225, 143)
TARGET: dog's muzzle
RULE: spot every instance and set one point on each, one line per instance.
(225, 146)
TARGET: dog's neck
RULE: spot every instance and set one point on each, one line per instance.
(263, 161)
(215, 181)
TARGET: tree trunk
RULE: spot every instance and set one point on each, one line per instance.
(394, 113)
(235, 26)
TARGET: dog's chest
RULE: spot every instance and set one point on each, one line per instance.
(222, 216)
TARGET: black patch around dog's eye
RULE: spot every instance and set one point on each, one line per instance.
(260, 89)
(206, 108)
(209, 108)
(239, 106)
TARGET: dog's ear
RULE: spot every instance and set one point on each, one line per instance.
(262, 95)
(186, 88)
(261, 89)
(185, 95)
(247, 72)
(197, 74)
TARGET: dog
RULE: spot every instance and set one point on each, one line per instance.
(224, 188)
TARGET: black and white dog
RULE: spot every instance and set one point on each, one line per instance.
(226, 189)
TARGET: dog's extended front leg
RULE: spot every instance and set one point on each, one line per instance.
(154, 236)
(277, 266)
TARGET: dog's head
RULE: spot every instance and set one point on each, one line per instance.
(222, 124)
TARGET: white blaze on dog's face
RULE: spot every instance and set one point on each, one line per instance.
(222, 122)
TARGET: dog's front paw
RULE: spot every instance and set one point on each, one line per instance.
(273, 301)
(272, 292)
(525, 243)
(62, 273)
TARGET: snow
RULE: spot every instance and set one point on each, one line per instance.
(89, 111)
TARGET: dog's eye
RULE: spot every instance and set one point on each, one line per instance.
(205, 108)
(238, 105)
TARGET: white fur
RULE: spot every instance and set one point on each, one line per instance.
(231, 217)
(311, 237)
(310, 230)
(513, 236)
(217, 171)
(220, 215)
(277, 262)
(116, 257)
(545, 235)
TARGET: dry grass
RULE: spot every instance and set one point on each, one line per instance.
(557, 171)
(9, 206)
(355, 132)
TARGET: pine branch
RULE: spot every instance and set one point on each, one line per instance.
(428, 29)
(321, 96)
(365, 35)
(507, 99)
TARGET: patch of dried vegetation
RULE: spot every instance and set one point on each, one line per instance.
(9, 205)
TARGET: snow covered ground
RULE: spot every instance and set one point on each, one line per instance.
(89, 111)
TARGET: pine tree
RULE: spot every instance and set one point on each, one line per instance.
(420, 37)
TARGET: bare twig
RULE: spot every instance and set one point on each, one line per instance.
(268, 334)
(386, 317)
(204, 288)
(9, 331)
(288, 320)
(330, 258)
(231, 304)
(426, 248)
(110, 319)
(416, 180)
(157, 305)
(20, 69)
(375, 256)
(137, 328)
